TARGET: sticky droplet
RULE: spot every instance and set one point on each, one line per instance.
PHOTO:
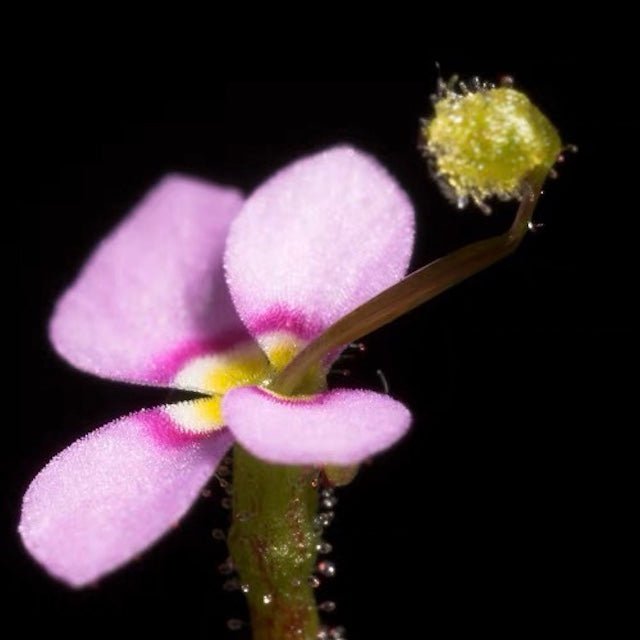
(226, 568)
(324, 547)
(233, 584)
(233, 624)
(323, 519)
(327, 568)
(329, 503)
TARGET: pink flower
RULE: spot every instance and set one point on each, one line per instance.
(152, 306)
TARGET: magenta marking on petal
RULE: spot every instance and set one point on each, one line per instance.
(161, 428)
(322, 236)
(153, 285)
(280, 318)
(168, 366)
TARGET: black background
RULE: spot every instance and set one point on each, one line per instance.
(504, 510)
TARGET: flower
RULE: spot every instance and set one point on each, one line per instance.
(199, 290)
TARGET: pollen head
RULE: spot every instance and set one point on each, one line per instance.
(485, 142)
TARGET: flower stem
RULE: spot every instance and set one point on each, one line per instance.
(273, 538)
(418, 287)
(273, 542)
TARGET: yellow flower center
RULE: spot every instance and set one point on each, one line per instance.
(247, 363)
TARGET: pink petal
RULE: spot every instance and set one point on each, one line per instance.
(340, 427)
(111, 494)
(153, 293)
(319, 238)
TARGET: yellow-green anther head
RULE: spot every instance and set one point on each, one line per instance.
(485, 143)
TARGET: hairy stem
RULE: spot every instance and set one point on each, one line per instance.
(273, 542)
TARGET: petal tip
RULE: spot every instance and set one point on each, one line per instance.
(112, 494)
(153, 284)
(292, 244)
(179, 183)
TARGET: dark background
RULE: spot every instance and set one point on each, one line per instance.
(505, 509)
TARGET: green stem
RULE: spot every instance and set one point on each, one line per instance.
(273, 542)
(418, 287)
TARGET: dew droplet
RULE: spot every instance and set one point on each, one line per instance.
(327, 568)
(226, 503)
(323, 519)
(296, 582)
(223, 483)
(328, 606)
(218, 534)
(226, 568)
(267, 598)
(323, 634)
(206, 493)
(337, 633)
(329, 503)
(223, 471)
(233, 624)
(244, 588)
(327, 493)
(324, 547)
(314, 582)
(233, 584)
(535, 227)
